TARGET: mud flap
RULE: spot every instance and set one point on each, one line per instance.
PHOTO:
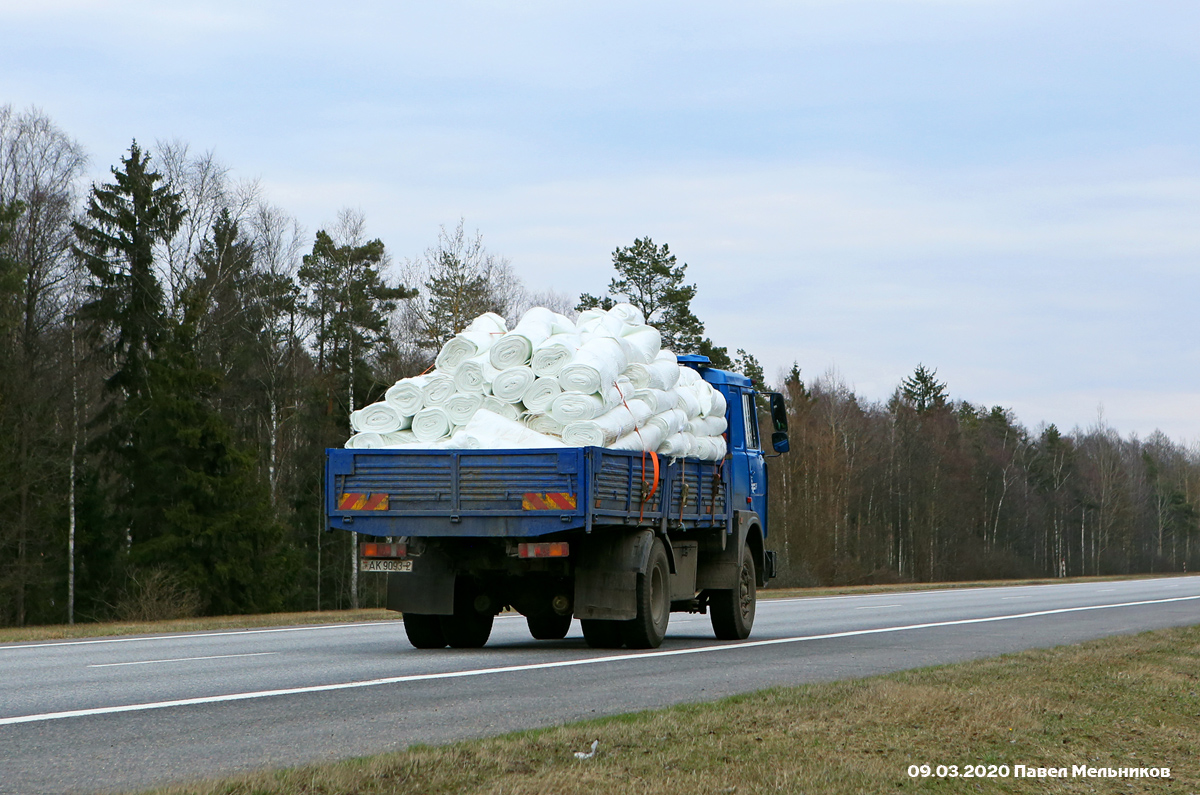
(427, 589)
(606, 574)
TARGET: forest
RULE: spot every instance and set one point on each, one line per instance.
(176, 353)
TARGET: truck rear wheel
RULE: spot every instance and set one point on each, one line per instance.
(653, 602)
(549, 627)
(732, 611)
(602, 634)
(424, 632)
(468, 629)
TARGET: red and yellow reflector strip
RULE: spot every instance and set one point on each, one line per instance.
(553, 549)
(372, 550)
(548, 501)
(356, 501)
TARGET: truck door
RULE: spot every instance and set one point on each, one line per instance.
(756, 470)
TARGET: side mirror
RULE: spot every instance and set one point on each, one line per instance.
(778, 413)
(779, 437)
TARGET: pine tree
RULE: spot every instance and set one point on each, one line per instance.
(650, 279)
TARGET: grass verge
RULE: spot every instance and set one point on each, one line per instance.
(1130, 701)
(206, 624)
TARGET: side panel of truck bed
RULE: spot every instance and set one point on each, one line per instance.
(517, 493)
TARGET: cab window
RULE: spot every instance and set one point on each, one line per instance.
(750, 418)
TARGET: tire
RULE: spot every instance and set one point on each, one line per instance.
(468, 629)
(653, 602)
(549, 627)
(601, 634)
(424, 631)
(732, 612)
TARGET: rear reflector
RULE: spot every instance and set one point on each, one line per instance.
(556, 549)
(383, 550)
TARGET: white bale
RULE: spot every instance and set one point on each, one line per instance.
(709, 426)
(658, 400)
(490, 431)
(703, 392)
(510, 385)
(379, 418)
(406, 396)
(475, 375)
(462, 406)
(515, 348)
(431, 423)
(464, 345)
(720, 407)
(437, 389)
(490, 323)
(543, 423)
(365, 441)
(688, 401)
(663, 371)
(710, 448)
(399, 439)
(510, 411)
(671, 422)
(629, 314)
(677, 445)
(554, 353)
(608, 427)
(574, 406)
(540, 394)
(648, 438)
(644, 342)
(688, 376)
(597, 364)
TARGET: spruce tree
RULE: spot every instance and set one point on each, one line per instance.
(122, 223)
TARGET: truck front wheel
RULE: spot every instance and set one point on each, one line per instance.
(424, 632)
(733, 610)
(653, 602)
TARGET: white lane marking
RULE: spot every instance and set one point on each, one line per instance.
(765, 598)
(876, 607)
(1106, 590)
(185, 636)
(183, 659)
(292, 691)
(1002, 598)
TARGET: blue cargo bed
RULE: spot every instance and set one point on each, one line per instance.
(519, 493)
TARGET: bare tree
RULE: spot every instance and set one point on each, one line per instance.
(40, 171)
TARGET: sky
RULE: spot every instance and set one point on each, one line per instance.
(1008, 192)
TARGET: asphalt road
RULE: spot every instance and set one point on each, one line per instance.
(128, 713)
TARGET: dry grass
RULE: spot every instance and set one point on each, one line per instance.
(851, 590)
(1128, 701)
(67, 631)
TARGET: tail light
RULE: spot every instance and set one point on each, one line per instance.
(372, 550)
(554, 549)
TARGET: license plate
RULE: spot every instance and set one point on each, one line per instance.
(384, 565)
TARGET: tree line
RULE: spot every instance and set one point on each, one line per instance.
(176, 353)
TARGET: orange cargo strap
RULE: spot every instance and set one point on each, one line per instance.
(646, 496)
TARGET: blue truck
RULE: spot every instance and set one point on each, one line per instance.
(617, 539)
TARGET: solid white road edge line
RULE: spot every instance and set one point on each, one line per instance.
(291, 691)
(186, 635)
(183, 659)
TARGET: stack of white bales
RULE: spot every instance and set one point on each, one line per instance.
(549, 382)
